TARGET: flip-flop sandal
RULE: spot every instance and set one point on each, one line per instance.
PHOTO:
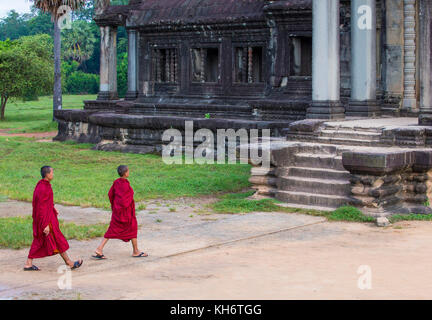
(99, 257)
(32, 268)
(77, 264)
(141, 255)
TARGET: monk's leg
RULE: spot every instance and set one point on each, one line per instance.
(136, 251)
(66, 259)
(99, 249)
(29, 263)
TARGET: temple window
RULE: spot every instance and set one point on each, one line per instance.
(165, 65)
(205, 64)
(248, 64)
(301, 56)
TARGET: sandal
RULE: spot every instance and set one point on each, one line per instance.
(99, 256)
(77, 264)
(32, 268)
(141, 255)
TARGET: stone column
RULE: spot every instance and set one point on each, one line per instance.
(393, 57)
(108, 64)
(425, 117)
(409, 96)
(132, 93)
(325, 62)
(363, 59)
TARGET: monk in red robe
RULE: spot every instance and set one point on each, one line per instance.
(123, 224)
(47, 237)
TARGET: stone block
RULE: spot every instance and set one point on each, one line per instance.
(382, 222)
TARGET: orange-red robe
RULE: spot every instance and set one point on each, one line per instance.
(45, 215)
(123, 224)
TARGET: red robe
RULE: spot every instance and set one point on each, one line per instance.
(123, 224)
(45, 215)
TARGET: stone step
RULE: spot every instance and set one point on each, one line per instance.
(314, 173)
(315, 186)
(310, 160)
(341, 127)
(311, 199)
(348, 142)
(351, 134)
(304, 206)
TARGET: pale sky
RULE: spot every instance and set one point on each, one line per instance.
(20, 6)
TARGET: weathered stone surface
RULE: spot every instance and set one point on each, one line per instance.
(308, 125)
(382, 222)
(377, 163)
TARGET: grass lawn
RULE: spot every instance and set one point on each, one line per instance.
(17, 232)
(83, 176)
(36, 116)
(237, 203)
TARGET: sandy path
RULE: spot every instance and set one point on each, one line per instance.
(254, 256)
(38, 135)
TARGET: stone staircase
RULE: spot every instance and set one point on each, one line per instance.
(357, 136)
(315, 179)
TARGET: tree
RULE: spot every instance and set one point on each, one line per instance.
(52, 7)
(79, 42)
(13, 26)
(25, 65)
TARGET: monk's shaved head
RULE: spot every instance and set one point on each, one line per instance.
(45, 170)
(121, 170)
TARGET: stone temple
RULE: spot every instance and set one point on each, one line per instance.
(344, 86)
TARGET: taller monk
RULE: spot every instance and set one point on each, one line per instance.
(123, 224)
(47, 237)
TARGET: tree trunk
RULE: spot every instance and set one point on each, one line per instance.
(57, 96)
(3, 108)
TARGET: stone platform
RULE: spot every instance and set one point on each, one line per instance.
(138, 126)
(380, 165)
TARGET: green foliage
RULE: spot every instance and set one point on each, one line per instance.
(13, 26)
(79, 82)
(410, 217)
(347, 213)
(79, 42)
(69, 67)
(17, 232)
(26, 68)
(122, 74)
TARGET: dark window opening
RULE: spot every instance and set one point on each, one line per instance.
(248, 64)
(301, 56)
(165, 65)
(205, 64)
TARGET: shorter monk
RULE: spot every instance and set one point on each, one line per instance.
(47, 237)
(123, 224)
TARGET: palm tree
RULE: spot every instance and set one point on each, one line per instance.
(52, 6)
(78, 43)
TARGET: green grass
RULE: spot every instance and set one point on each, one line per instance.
(36, 116)
(237, 203)
(17, 232)
(410, 217)
(83, 177)
(349, 214)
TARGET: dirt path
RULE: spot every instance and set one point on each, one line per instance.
(254, 256)
(37, 135)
